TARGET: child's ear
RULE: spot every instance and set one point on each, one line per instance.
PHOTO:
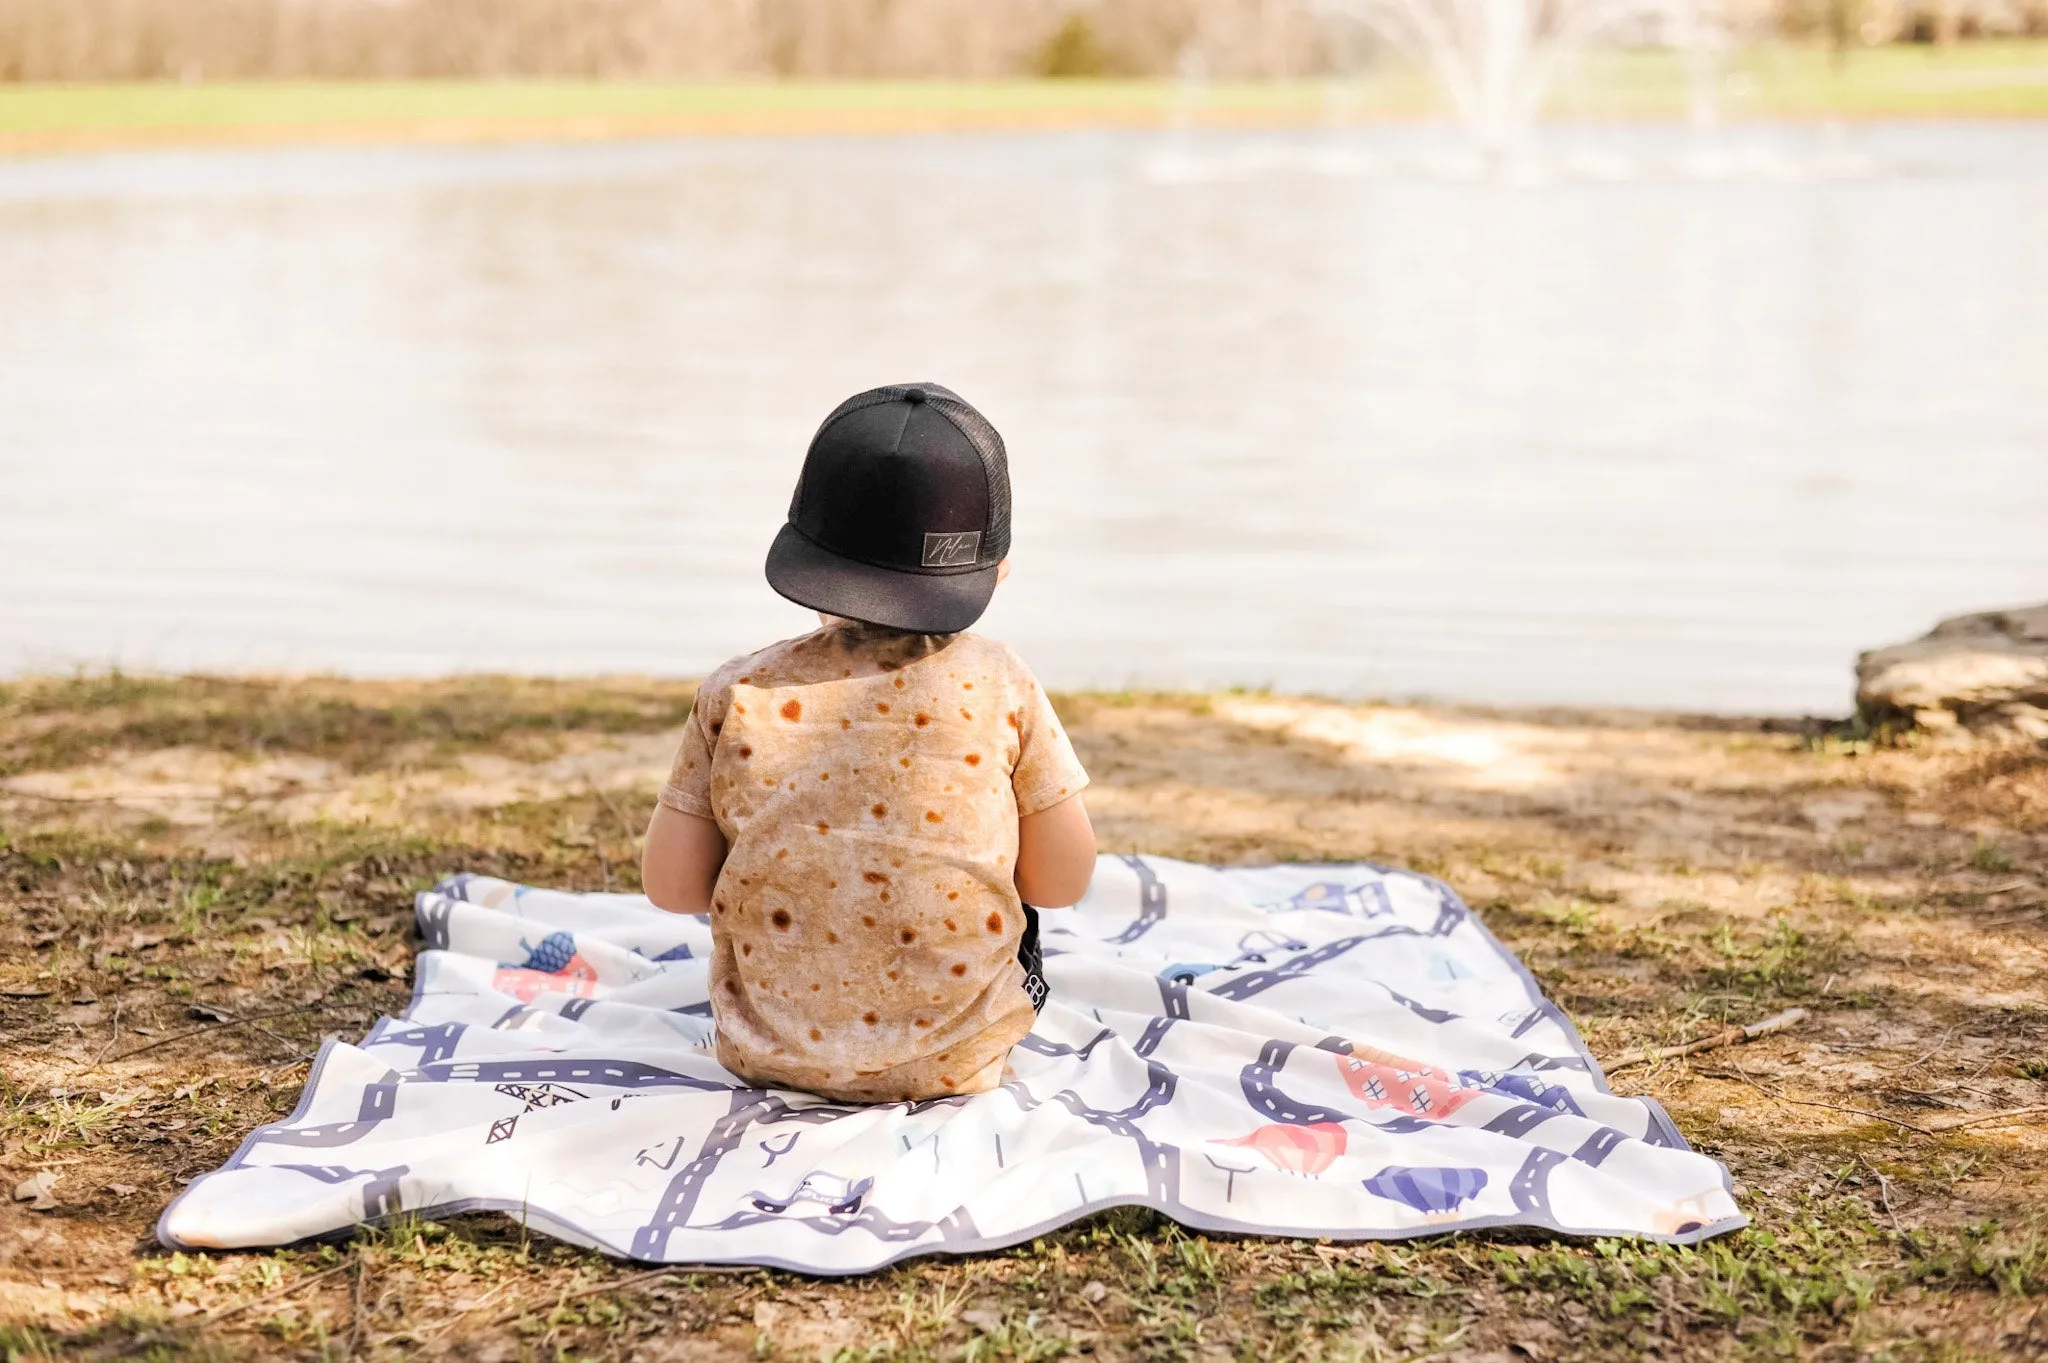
(1003, 570)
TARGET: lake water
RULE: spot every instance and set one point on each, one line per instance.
(1666, 421)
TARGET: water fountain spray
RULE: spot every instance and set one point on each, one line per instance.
(1497, 59)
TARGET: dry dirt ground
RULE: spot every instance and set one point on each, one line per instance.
(201, 878)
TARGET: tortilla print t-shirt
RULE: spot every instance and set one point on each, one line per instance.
(865, 924)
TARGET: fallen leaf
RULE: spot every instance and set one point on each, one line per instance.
(143, 941)
(183, 1309)
(206, 1012)
(24, 991)
(35, 1190)
(119, 1190)
(982, 1319)
(1093, 1292)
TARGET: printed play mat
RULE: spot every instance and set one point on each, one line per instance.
(1340, 1051)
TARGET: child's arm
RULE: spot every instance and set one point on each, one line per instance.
(680, 866)
(1055, 855)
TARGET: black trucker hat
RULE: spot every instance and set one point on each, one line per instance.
(901, 514)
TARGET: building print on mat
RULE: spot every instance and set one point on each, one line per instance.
(1365, 900)
(1372, 1095)
(1383, 1080)
(553, 967)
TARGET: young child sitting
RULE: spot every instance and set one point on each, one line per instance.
(865, 811)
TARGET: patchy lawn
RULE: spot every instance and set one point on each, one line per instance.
(201, 878)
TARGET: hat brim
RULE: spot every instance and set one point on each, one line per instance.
(924, 603)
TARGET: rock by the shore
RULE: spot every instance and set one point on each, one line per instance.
(1986, 673)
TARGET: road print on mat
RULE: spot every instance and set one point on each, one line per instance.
(1339, 1051)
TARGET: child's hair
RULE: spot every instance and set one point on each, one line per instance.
(901, 515)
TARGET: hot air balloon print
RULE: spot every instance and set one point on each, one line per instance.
(1435, 1192)
(1381, 1079)
(552, 967)
(1305, 1150)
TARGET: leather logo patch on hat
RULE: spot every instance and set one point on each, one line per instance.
(952, 549)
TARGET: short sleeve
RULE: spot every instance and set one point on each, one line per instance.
(688, 788)
(1047, 771)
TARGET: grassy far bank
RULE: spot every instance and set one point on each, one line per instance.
(200, 878)
(1974, 79)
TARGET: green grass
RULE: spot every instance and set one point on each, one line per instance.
(2007, 78)
(354, 724)
(1988, 79)
(802, 104)
(1870, 1240)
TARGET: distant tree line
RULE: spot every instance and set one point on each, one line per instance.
(43, 40)
(1914, 21)
(652, 39)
